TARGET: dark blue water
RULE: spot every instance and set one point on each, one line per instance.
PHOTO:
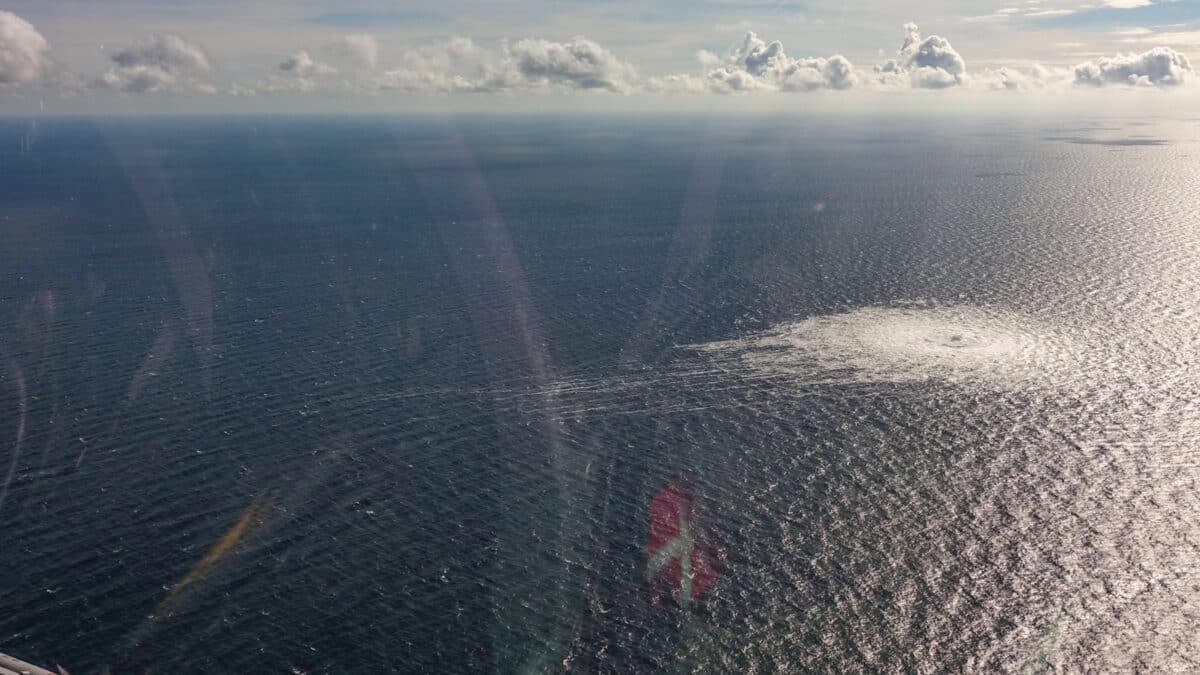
(372, 395)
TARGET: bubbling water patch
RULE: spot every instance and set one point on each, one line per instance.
(910, 343)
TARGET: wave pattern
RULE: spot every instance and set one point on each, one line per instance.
(938, 424)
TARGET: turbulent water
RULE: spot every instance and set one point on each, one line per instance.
(369, 395)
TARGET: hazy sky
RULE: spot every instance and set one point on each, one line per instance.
(119, 56)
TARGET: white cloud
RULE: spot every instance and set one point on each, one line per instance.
(459, 65)
(298, 72)
(163, 63)
(301, 64)
(24, 53)
(579, 63)
(1010, 79)
(1161, 66)
(453, 65)
(355, 57)
(1030, 10)
(1023, 79)
(1047, 13)
(676, 84)
(730, 79)
(929, 63)
(423, 81)
(707, 59)
(1177, 39)
(995, 16)
(757, 65)
(766, 66)
(353, 63)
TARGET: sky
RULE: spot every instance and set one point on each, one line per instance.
(222, 56)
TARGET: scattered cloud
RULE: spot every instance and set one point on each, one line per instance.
(1161, 66)
(354, 63)
(163, 63)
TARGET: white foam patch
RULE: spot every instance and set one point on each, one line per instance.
(911, 343)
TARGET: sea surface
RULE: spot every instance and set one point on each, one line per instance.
(342, 395)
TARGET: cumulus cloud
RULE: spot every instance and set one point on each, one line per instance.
(298, 72)
(578, 63)
(24, 53)
(351, 63)
(459, 65)
(759, 65)
(453, 65)
(301, 64)
(929, 63)
(346, 64)
(163, 63)
(1161, 67)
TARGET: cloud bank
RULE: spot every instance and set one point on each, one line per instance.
(355, 63)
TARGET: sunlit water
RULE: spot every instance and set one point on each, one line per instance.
(363, 396)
